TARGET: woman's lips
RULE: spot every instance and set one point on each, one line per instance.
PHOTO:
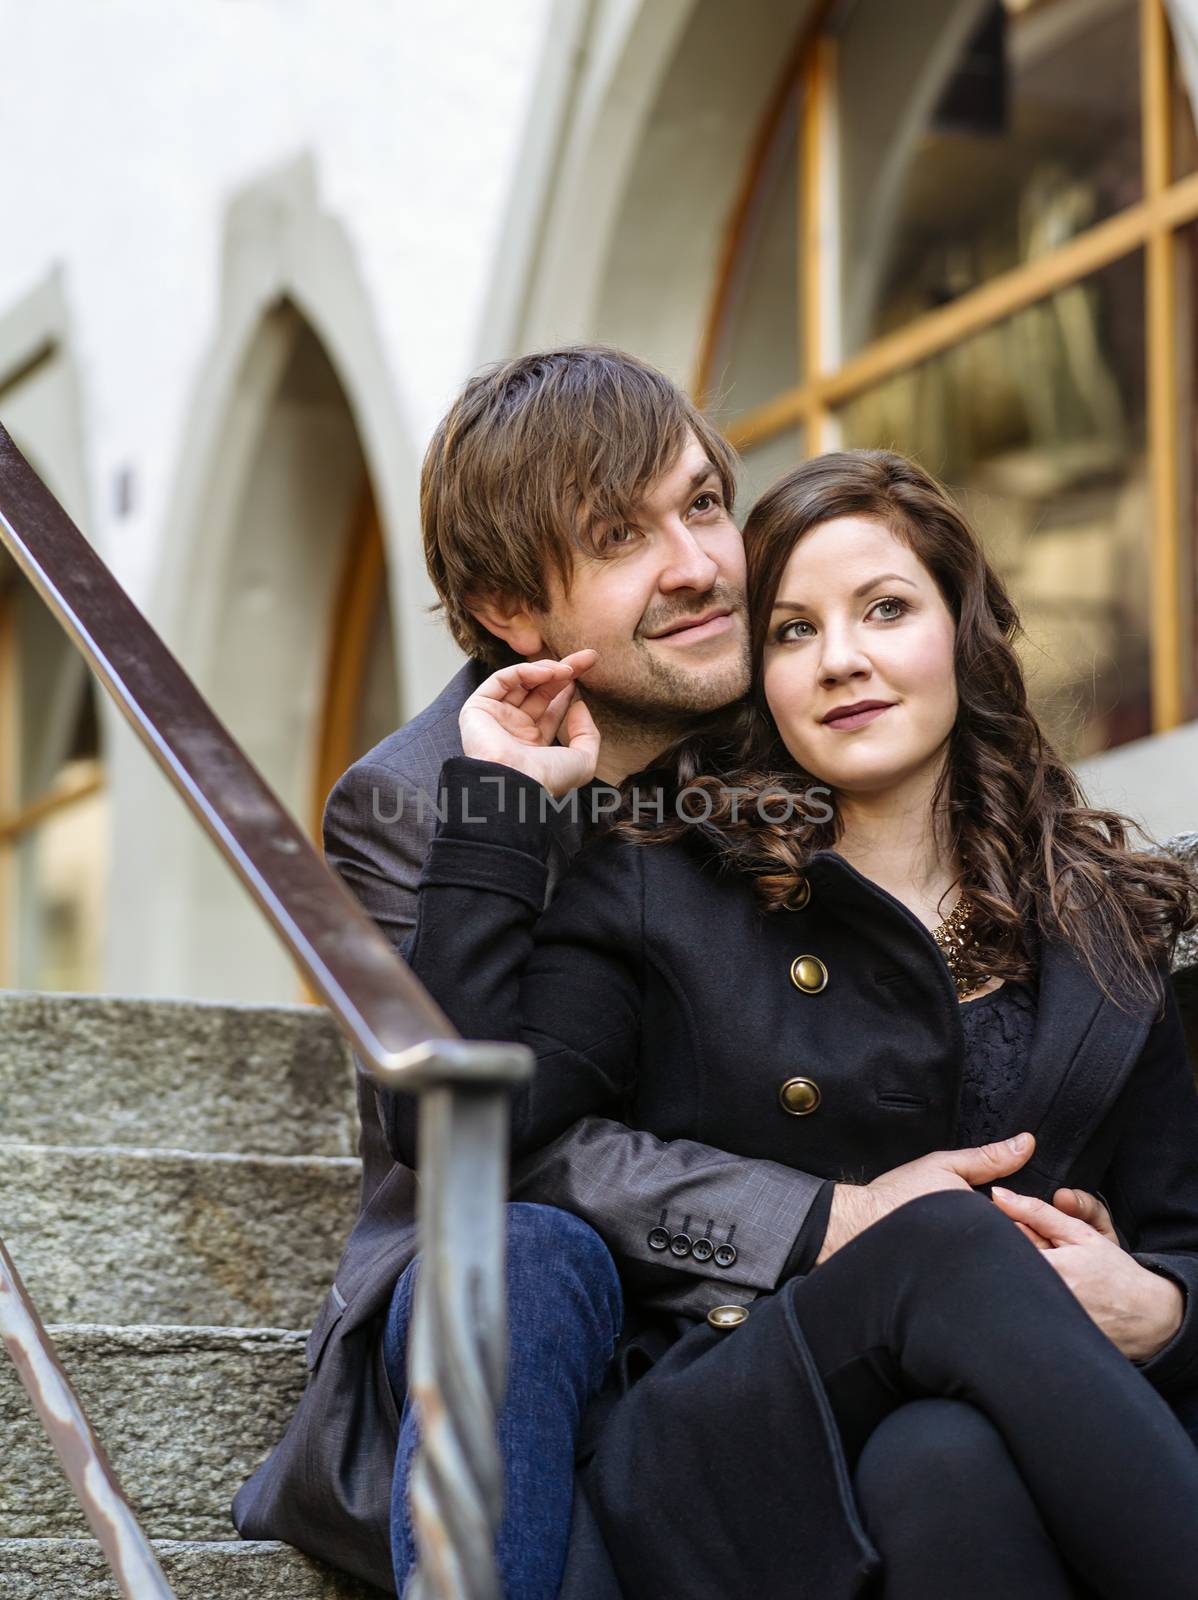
(858, 718)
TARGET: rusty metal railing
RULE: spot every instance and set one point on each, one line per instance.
(401, 1036)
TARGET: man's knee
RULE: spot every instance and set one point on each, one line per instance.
(554, 1256)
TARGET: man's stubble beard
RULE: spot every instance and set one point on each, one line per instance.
(662, 698)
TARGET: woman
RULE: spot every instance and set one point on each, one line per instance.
(953, 950)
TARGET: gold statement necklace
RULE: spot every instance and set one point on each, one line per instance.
(954, 937)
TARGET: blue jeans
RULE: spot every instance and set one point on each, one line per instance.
(564, 1316)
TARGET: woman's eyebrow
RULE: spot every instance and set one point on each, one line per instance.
(862, 588)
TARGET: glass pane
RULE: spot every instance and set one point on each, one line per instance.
(1184, 91)
(1187, 306)
(62, 872)
(757, 354)
(1012, 128)
(1039, 425)
(763, 465)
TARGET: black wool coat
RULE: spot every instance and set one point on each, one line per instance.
(654, 989)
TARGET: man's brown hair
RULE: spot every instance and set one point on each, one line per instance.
(531, 460)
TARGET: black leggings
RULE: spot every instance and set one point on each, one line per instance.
(974, 1395)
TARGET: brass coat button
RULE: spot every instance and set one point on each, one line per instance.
(809, 974)
(799, 1096)
(801, 896)
(724, 1317)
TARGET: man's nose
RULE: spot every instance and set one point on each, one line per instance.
(688, 565)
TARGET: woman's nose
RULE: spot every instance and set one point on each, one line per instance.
(841, 657)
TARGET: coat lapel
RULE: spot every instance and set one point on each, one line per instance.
(1083, 1048)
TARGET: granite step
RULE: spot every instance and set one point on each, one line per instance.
(75, 1569)
(185, 1415)
(88, 1070)
(117, 1235)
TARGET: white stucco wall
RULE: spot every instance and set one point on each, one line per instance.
(129, 126)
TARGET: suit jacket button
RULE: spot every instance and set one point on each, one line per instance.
(659, 1238)
(725, 1255)
(680, 1244)
(702, 1250)
(725, 1317)
(809, 974)
(799, 1096)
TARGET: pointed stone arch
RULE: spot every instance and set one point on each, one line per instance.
(294, 434)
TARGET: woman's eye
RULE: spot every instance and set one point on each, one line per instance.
(900, 606)
(785, 634)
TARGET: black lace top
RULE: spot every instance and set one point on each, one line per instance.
(998, 1036)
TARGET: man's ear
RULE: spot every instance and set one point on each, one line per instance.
(510, 620)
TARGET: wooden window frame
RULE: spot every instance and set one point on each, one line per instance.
(1152, 225)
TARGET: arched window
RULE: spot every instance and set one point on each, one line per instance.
(970, 228)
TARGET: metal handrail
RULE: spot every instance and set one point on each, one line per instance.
(402, 1037)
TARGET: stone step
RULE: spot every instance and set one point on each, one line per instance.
(185, 1415)
(157, 1236)
(75, 1569)
(264, 1080)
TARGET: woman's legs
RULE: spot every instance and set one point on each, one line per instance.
(945, 1297)
(949, 1512)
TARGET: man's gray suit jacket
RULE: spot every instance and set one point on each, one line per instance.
(326, 1487)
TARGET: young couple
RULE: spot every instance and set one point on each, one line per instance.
(839, 1093)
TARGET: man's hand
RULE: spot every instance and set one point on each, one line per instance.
(1138, 1310)
(856, 1207)
(514, 718)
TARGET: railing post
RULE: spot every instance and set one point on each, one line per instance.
(458, 1342)
(134, 1565)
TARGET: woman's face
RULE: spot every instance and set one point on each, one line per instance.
(858, 617)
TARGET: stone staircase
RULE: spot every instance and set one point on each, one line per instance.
(176, 1181)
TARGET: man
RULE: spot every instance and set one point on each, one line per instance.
(573, 498)
(569, 497)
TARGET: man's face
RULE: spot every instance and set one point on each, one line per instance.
(662, 601)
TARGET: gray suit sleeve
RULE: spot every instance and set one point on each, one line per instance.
(378, 827)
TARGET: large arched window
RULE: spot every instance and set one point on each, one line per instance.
(969, 234)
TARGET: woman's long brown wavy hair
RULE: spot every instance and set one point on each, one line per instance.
(1036, 860)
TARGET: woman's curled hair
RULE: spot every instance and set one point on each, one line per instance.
(1036, 861)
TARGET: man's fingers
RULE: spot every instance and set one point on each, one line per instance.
(1087, 1208)
(514, 684)
(983, 1163)
(1054, 1225)
(581, 732)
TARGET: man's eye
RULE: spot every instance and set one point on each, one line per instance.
(618, 536)
(707, 501)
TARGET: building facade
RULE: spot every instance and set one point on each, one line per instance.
(254, 248)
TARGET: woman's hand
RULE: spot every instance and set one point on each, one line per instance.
(1138, 1310)
(856, 1207)
(514, 719)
